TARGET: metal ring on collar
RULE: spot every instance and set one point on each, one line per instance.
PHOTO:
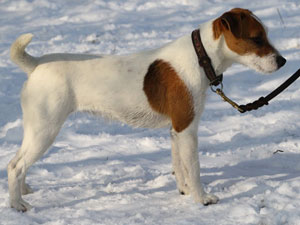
(214, 88)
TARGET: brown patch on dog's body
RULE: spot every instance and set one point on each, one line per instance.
(243, 33)
(168, 95)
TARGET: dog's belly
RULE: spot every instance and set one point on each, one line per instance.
(134, 111)
(135, 118)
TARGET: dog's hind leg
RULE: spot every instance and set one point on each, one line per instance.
(25, 188)
(42, 122)
(36, 141)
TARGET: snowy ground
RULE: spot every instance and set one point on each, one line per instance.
(108, 173)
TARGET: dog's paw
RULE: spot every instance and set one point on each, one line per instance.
(208, 199)
(185, 190)
(20, 205)
(26, 189)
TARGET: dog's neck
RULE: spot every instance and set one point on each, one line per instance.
(215, 48)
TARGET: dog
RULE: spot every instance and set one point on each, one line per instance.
(154, 89)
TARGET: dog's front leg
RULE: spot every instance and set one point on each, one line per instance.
(178, 168)
(187, 143)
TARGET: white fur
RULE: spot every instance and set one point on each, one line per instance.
(111, 86)
(266, 64)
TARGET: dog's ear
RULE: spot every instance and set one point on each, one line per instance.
(233, 22)
(228, 22)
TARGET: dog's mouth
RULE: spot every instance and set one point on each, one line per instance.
(269, 64)
(262, 70)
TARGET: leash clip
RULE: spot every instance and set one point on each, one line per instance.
(226, 99)
(214, 88)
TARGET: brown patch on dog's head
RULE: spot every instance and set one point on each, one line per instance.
(167, 94)
(243, 32)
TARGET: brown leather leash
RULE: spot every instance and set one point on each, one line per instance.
(216, 80)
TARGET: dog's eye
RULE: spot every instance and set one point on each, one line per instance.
(258, 40)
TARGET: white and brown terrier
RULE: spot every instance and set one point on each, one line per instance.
(152, 89)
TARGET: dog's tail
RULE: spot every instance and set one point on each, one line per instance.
(18, 55)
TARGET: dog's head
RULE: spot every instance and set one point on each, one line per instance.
(247, 41)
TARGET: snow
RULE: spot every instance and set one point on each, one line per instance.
(101, 172)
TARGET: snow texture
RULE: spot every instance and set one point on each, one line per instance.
(101, 172)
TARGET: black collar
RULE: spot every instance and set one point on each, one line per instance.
(204, 60)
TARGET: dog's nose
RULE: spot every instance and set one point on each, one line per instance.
(280, 61)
